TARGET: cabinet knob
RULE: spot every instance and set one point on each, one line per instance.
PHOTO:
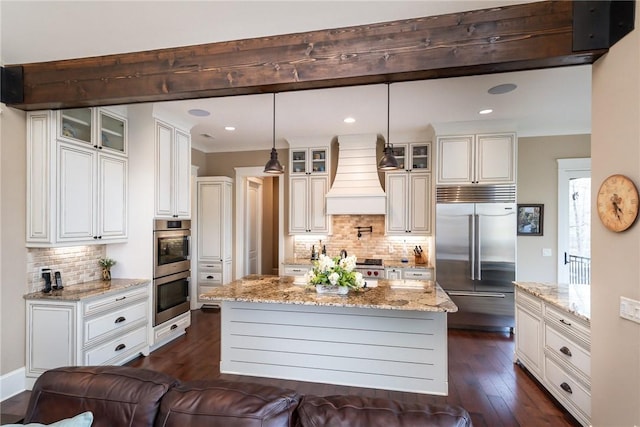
(95, 237)
(120, 319)
(120, 347)
(565, 350)
(566, 387)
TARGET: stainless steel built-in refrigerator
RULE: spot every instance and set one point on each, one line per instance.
(476, 253)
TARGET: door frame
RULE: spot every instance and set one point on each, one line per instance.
(242, 174)
(567, 168)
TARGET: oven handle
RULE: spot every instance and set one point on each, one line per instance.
(187, 244)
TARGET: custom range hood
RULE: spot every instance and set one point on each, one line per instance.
(356, 189)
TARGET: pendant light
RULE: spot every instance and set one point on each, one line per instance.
(273, 166)
(388, 161)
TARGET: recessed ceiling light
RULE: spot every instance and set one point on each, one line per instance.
(199, 112)
(487, 111)
(503, 88)
(230, 128)
(349, 120)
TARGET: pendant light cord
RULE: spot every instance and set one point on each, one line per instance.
(388, 112)
(274, 120)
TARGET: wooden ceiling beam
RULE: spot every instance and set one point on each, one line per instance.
(528, 36)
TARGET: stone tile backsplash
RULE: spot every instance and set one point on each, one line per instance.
(370, 245)
(76, 264)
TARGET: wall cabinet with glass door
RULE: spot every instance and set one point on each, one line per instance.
(476, 159)
(306, 161)
(413, 157)
(94, 127)
(173, 171)
(308, 185)
(76, 185)
(409, 191)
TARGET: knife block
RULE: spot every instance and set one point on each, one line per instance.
(420, 259)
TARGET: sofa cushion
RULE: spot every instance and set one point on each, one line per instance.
(117, 395)
(228, 404)
(354, 411)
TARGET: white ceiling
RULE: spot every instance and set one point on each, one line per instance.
(546, 102)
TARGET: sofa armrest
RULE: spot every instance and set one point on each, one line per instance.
(116, 395)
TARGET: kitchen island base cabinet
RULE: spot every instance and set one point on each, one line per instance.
(377, 348)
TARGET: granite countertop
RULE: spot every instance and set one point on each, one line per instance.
(85, 290)
(425, 296)
(574, 299)
(386, 262)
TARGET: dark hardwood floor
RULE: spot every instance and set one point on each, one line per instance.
(482, 376)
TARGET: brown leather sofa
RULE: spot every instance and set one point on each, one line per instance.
(124, 396)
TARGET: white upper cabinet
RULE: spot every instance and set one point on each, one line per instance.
(96, 127)
(414, 157)
(76, 191)
(307, 204)
(477, 159)
(306, 161)
(173, 172)
(409, 191)
(408, 204)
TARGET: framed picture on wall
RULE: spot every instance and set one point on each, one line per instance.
(530, 219)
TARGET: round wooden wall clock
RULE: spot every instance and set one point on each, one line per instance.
(617, 203)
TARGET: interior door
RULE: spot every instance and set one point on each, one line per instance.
(454, 246)
(253, 225)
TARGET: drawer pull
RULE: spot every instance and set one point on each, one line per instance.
(565, 350)
(566, 387)
(120, 299)
(209, 277)
(120, 319)
(174, 326)
(120, 347)
(565, 322)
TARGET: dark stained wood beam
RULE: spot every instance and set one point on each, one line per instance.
(521, 37)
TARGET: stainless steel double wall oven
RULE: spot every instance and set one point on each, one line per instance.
(171, 270)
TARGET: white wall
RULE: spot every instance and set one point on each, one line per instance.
(615, 268)
(135, 258)
(538, 183)
(13, 261)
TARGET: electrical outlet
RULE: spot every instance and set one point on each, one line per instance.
(630, 309)
(546, 252)
(391, 250)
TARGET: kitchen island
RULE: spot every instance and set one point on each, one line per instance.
(393, 336)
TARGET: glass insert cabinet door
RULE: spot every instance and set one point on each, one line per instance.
(318, 160)
(112, 132)
(299, 161)
(420, 157)
(400, 153)
(76, 125)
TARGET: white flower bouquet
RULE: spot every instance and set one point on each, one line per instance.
(336, 271)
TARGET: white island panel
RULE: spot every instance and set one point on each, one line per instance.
(364, 347)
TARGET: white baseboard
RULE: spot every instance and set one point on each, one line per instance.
(12, 383)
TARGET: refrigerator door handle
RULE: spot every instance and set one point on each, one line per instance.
(478, 254)
(472, 242)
